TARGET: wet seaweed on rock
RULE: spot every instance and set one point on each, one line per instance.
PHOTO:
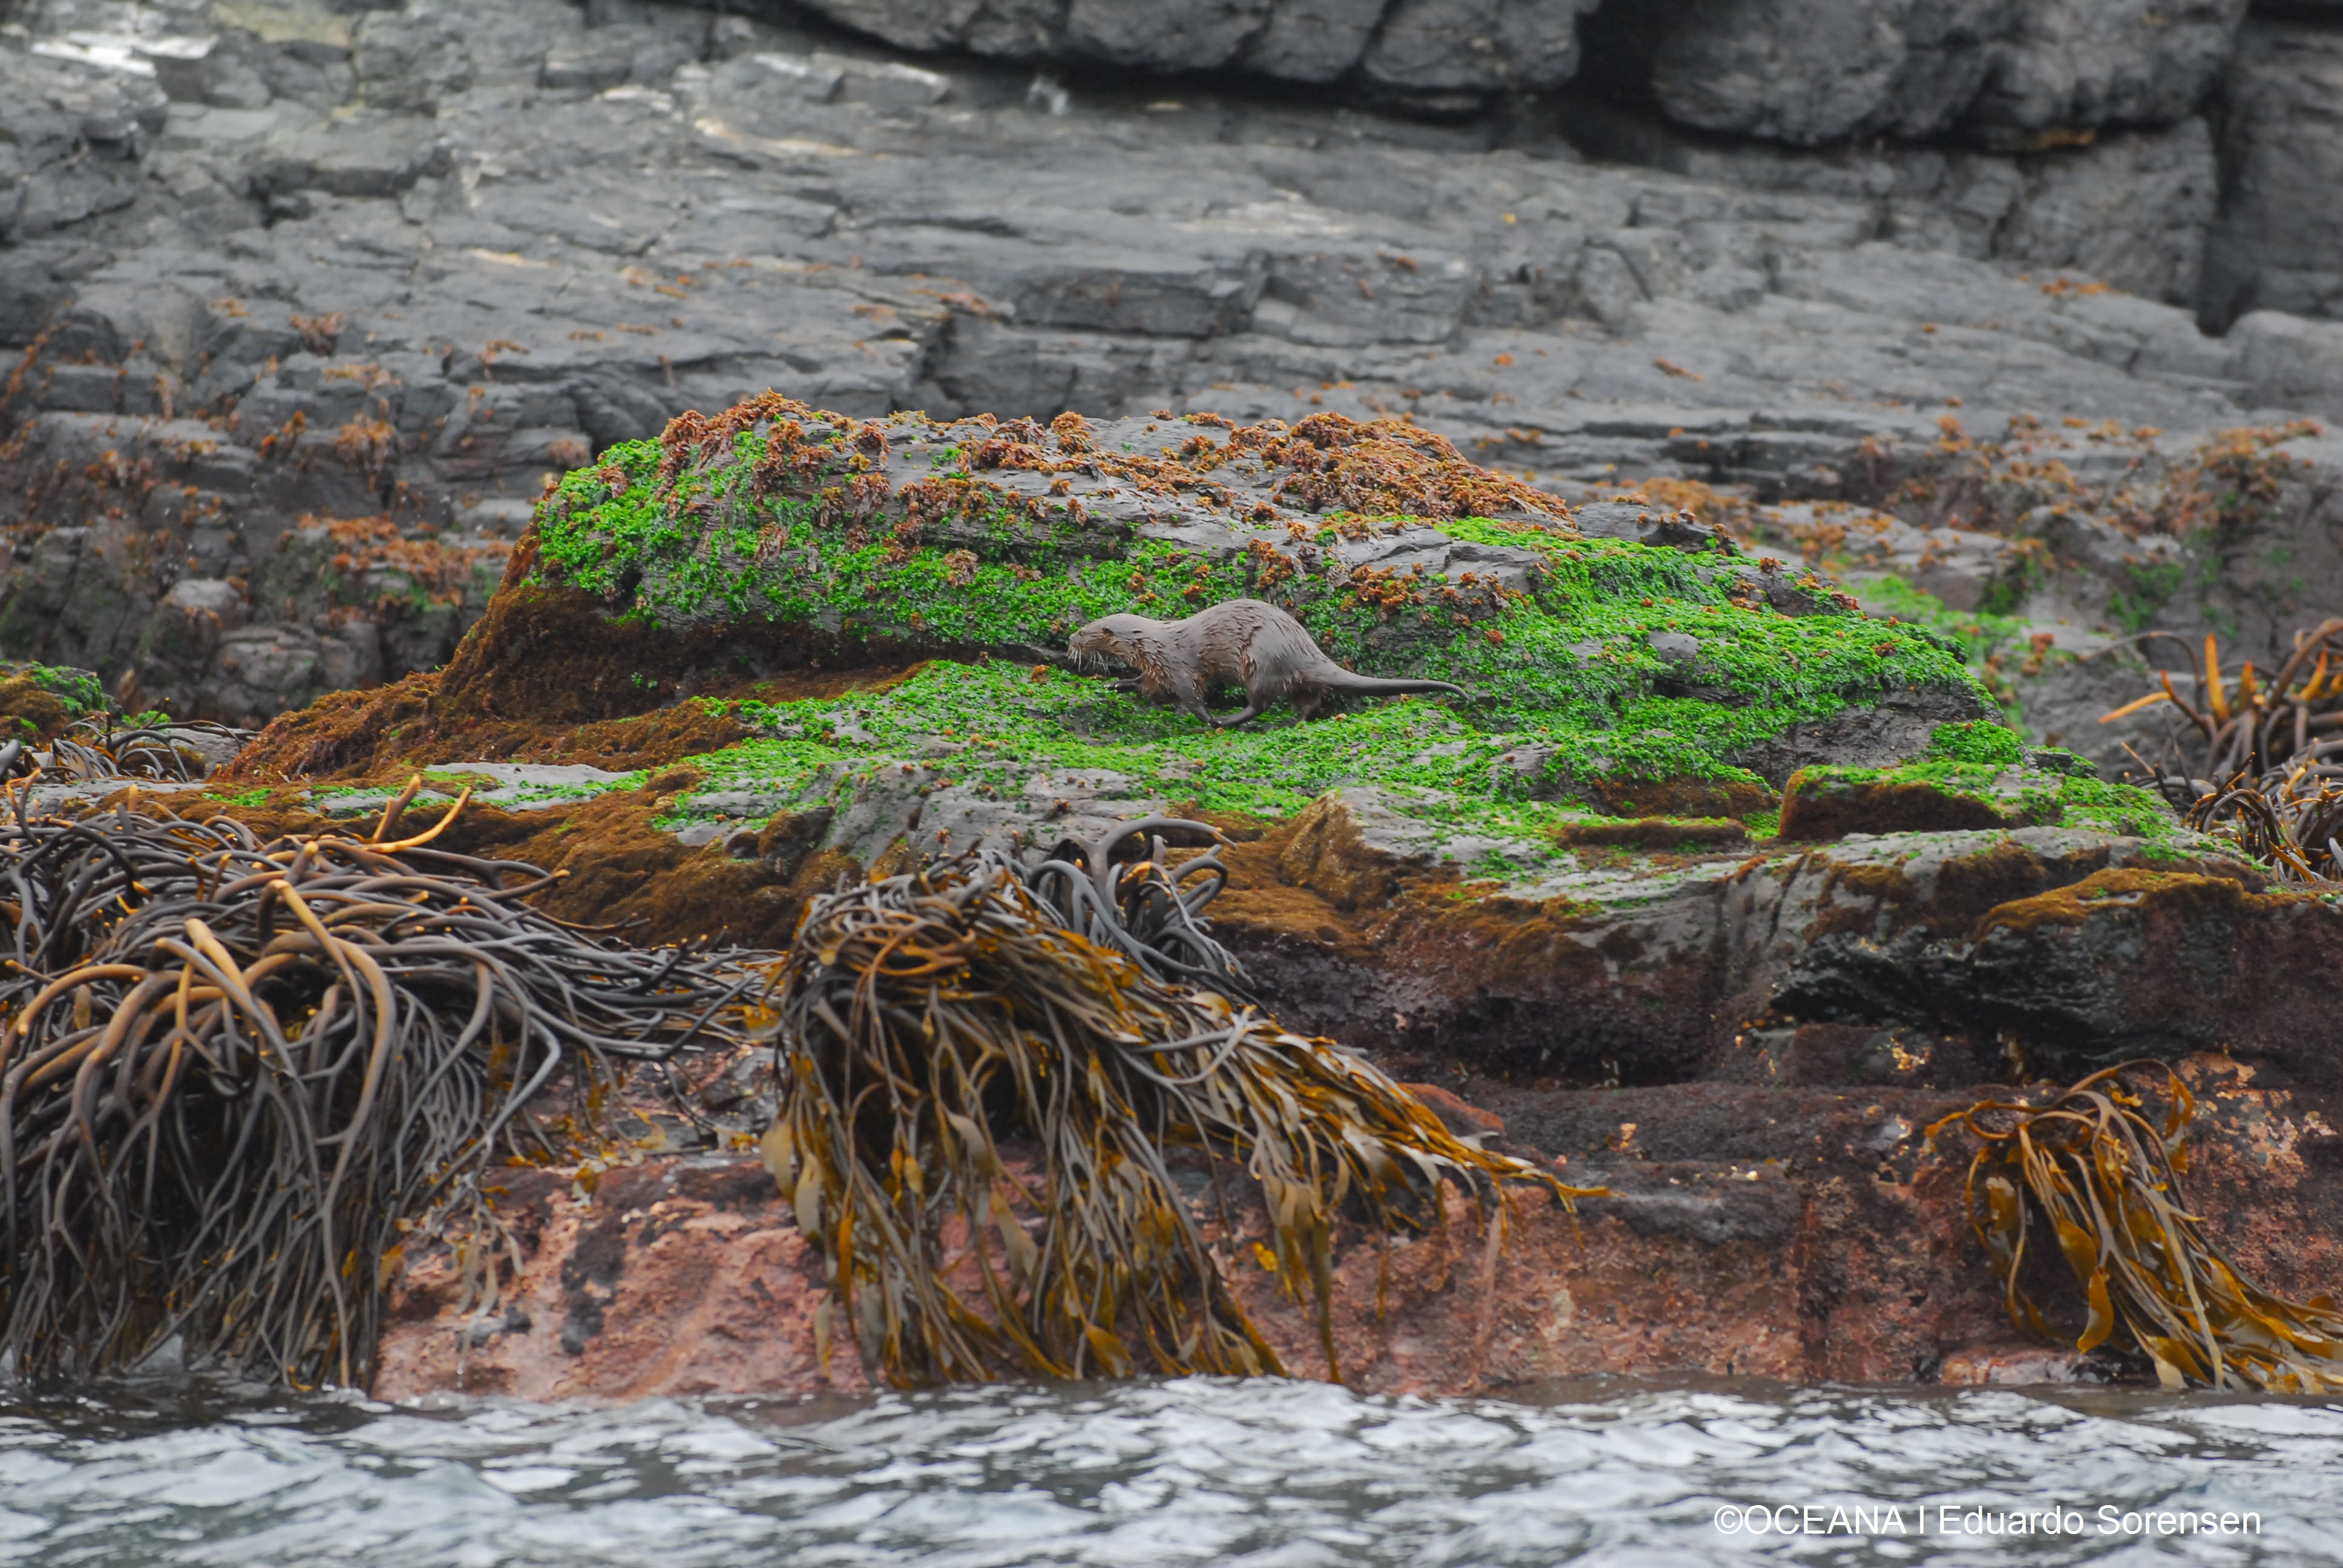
(2254, 724)
(1150, 912)
(234, 1074)
(987, 1118)
(2259, 774)
(2108, 1182)
(179, 751)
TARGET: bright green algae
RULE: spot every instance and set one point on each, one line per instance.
(1567, 668)
(2028, 787)
(1568, 688)
(80, 690)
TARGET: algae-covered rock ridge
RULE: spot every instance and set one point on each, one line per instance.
(1607, 653)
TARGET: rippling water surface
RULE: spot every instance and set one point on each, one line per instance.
(1189, 1471)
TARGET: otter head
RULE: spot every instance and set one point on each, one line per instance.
(1105, 636)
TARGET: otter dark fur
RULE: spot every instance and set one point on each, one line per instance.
(1239, 642)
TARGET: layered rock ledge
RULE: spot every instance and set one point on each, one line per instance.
(1718, 891)
(306, 303)
(1757, 405)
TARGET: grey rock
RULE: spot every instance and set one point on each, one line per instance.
(1164, 34)
(1312, 40)
(222, 602)
(2278, 243)
(603, 59)
(908, 24)
(1647, 525)
(411, 62)
(1811, 71)
(1408, 46)
(1676, 646)
(1434, 554)
(1474, 46)
(1353, 300)
(1879, 736)
(2290, 362)
(2132, 210)
(226, 72)
(72, 143)
(2088, 62)
(372, 157)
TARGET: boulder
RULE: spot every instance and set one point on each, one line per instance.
(1808, 73)
(2278, 243)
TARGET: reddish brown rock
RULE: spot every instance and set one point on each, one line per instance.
(1749, 1231)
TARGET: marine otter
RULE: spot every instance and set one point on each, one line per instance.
(1239, 642)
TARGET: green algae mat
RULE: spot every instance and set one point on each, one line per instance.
(1617, 662)
(1589, 657)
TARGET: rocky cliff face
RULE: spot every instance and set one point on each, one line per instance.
(306, 301)
(2003, 323)
(1713, 888)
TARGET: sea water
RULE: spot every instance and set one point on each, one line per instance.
(1265, 1473)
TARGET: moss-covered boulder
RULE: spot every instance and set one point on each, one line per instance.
(39, 701)
(1593, 657)
(1974, 775)
(1609, 675)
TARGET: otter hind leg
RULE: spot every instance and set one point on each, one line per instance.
(1190, 693)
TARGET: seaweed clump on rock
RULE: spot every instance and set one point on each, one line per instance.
(236, 1076)
(981, 1106)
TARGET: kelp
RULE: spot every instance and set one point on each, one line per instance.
(1154, 915)
(184, 751)
(2254, 724)
(2106, 1182)
(992, 1125)
(2293, 818)
(231, 1072)
(2264, 770)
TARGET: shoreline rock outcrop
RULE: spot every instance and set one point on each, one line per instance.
(365, 371)
(1799, 1234)
(306, 313)
(1739, 1007)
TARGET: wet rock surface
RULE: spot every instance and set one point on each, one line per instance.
(304, 304)
(1765, 1231)
(377, 273)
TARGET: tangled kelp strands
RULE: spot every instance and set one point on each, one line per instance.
(2258, 763)
(94, 750)
(234, 1074)
(1151, 912)
(2291, 818)
(2254, 725)
(2108, 1182)
(980, 1114)
(179, 752)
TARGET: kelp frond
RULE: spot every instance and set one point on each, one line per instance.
(2260, 762)
(2107, 1182)
(995, 1128)
(230, 1070)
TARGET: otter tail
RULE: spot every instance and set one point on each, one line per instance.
(1375, 685)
